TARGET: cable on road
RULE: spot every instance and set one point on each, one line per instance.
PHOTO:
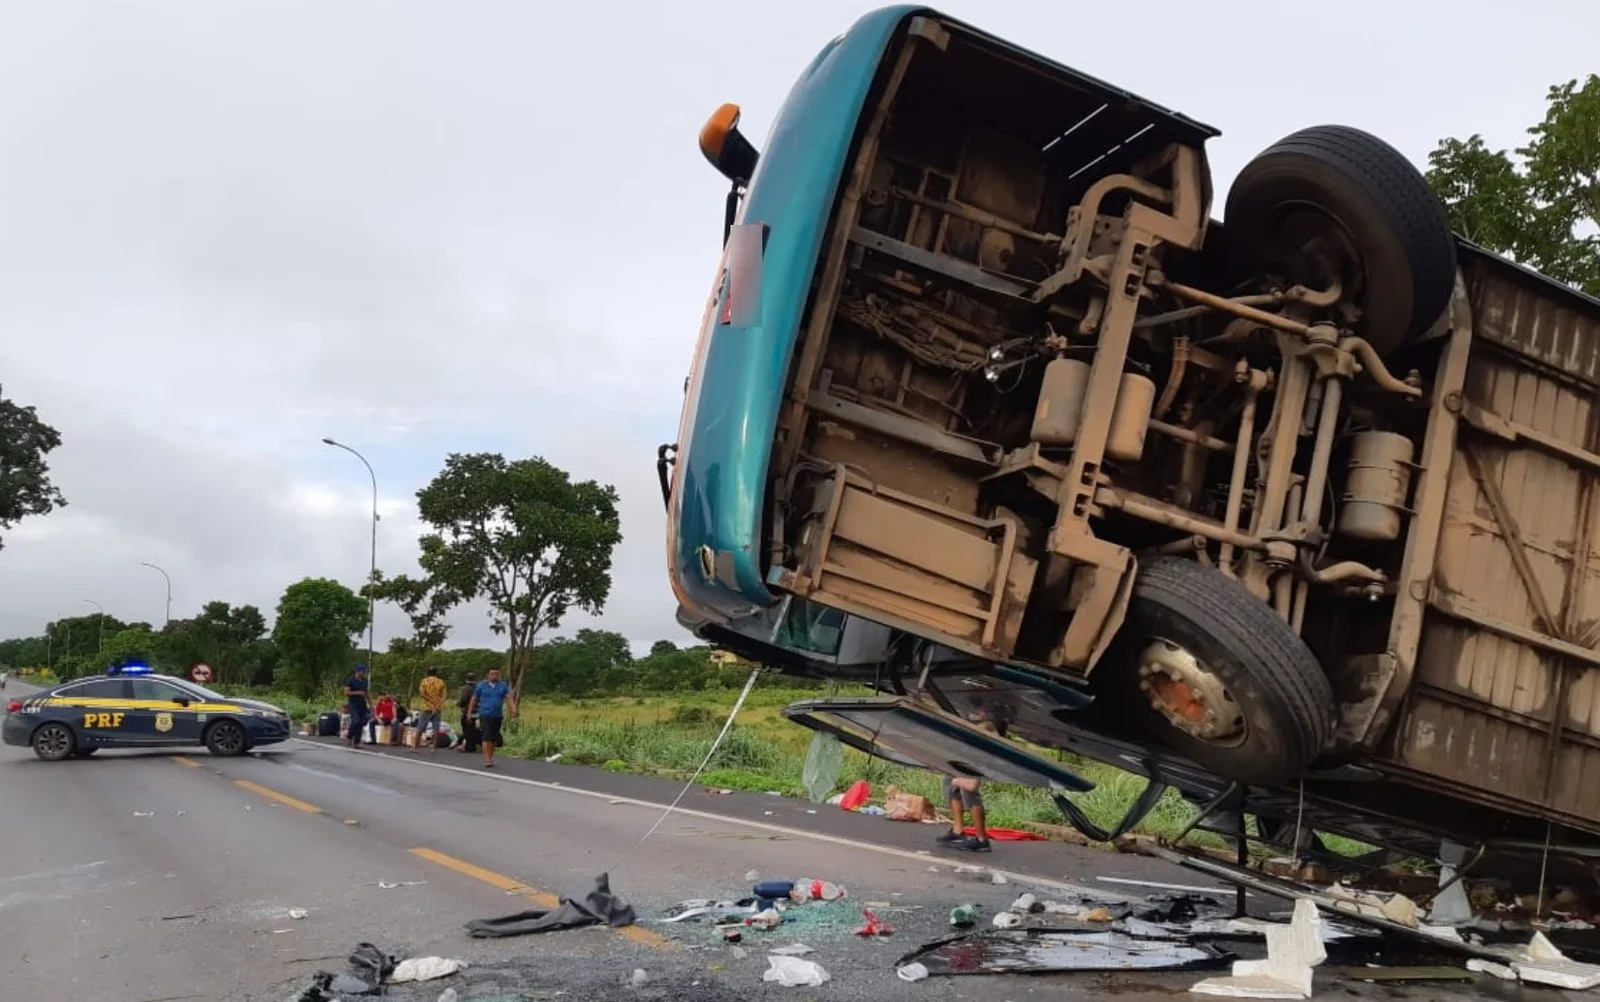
(727, 726)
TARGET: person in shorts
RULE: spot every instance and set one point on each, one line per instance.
(490, 701)
(469, 727)
(432, 691)
(964, 797)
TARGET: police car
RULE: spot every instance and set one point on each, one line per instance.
(132, 707)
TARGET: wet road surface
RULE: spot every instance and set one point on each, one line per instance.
(142, 876)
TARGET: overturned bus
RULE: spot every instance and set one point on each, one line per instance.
(989, 413)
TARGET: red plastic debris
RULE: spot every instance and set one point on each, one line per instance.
(874, 926)
(855, 796)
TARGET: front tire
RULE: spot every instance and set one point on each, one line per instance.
(225, 739)
(1332, 202)
(54, 742)
(1219, 676)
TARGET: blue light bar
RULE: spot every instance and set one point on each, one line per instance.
(129, 669)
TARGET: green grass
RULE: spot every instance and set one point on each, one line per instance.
(667, 735)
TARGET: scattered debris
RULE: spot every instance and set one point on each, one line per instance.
(962, 916)
(998, 878)
(449, 995)
(1541, 963)
(912, 972)
(389, 885)
(594, 906)
(144, 814)
(767, 919)
(794, 972)
(900, 806)
(752, 876)
(298, 913)
(1025, 904)
(1007, 920)
(639, 978)
(425, 969)
(873, 926)
(1292, 951)
(792, 950)
(806, 889)
(1025, 951)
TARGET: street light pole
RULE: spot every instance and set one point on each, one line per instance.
(372, 573)
(146, 563)
(100, 641)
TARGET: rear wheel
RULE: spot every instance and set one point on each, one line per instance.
(1335, 203)
(225, 738)
(54, 742)
(1219, 676)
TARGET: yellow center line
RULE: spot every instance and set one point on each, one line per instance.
(185, 760)
(282, 798)
(644, 937)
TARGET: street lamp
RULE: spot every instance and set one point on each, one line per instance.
(146, 563)
(372, 573)
(100, 642)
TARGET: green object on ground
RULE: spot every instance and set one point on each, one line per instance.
(963, 915)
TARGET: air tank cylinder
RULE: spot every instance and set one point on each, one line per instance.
(1377, 482)
(1059, 412)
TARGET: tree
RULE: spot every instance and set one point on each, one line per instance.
(1541, 206)
(230, 639)
(425, 603)
(661, 647)
(522, 535)
(25, 487)
(316, 619)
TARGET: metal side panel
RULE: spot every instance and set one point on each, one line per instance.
(1505, 700)
(925, 738)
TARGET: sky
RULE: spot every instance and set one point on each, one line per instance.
(229, 229)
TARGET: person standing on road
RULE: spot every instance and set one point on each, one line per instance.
(490, 701)
(469, 727)
(432, 691)
(355, 703)
(963, 796)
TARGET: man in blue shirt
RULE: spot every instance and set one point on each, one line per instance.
(490, 701)
(355, 703)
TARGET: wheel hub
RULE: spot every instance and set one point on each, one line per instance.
(1191, 697)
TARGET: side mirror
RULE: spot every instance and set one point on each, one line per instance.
(726, 148)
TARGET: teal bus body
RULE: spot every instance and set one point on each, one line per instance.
(726, 444)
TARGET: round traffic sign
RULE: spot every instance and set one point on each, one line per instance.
(200, 672)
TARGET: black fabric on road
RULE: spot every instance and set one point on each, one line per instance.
(595, 906)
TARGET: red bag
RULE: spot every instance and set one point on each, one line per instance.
(855, 796)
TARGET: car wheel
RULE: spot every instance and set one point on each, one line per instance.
(225, 738)
(1213, 672)
(54, 742)
(1332, 202)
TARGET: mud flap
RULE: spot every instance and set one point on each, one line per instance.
(910, 734)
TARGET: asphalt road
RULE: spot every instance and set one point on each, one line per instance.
(135, 876)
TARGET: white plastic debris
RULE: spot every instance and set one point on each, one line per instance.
(1478, 965)
(794, 972)
(144, 814)
(639, 978)
(1024, 903)
(912, 972)
(752, 876)
(1543, 964)
(298, 913)
(792, 950)
(1292, 951)
(449, 995)
(998, 878)
(1007, 920)
(425, 968)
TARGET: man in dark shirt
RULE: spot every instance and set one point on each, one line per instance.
(355, 702)
(469, 726)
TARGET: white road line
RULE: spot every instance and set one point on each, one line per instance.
(926, 858)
